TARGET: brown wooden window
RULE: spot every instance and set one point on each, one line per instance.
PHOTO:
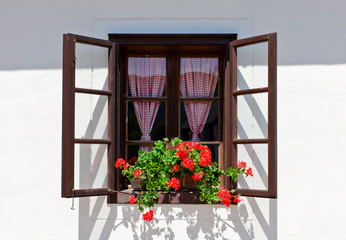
(262, 139)
(123, 138)
(71, 92)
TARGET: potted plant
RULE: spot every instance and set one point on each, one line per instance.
(161, 169)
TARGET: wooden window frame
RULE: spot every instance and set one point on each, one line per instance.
(116, 185)
(68, 119)
(231, 139)
(160, 44)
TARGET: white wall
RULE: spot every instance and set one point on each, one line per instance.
(311, 116)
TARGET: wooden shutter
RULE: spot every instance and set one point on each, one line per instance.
(68, 121)
(231, 106)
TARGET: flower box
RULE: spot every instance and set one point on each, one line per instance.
(174, 166)
(136, 184)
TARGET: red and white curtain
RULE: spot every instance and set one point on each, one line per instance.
(147, 78)
(198, 78)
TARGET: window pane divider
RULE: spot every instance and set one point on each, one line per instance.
(199, 98)
(250, 141)
(250, 91)
(92, 141)
(146, 98)
(93, 91)
(139, 142)
(207, 142)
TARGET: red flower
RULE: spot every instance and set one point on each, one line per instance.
(205, 159)
(175, 168)
(227, 202)
(249, 172)
(174, 183)
(241, 164)
(236, 199)
(148, 216)
(182, 152)
(133, 160)
(138, 173)
(119, 163)
(132, 199)
(126, 166)
(191, 145)
(197, 176)
(224, 194)
(200, 147)
(188, 163)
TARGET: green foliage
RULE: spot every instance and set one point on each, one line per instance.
(156, 167)
(234, 172)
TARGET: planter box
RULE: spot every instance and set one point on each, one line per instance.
(136, 184)
(187, 182)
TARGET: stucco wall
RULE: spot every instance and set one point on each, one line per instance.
(311, 116)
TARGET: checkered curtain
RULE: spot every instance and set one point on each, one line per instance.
(147, 78)
(198, 78)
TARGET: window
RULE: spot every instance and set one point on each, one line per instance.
(137, 117)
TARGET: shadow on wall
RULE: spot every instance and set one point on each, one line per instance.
(176, 222)
(255, 217)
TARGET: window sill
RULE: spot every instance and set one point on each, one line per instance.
(184, 196)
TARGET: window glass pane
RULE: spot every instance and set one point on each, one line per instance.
(252, 66)
(146, 76)
(216, 93)
(256, 157)
(201, 116)
(198, 76)
(91, 67)
(145, 110)
(252, 116)
(214, 149)
(90, 167)
(91, 119)
(132, 150)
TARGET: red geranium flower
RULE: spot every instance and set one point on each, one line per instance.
(227, 202)
(174, 183)
(148, 216)
(241, 164)
(188, 163)
(138, 173)
(200, 147)
(224, 194)
(191, 145)
(236, 199)
(126, 166)
(175, 168)
(132, 199)
(249, 172)
(182, 152)
(119, 163)
(197, 176)
(133, 160)
(205, 159)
